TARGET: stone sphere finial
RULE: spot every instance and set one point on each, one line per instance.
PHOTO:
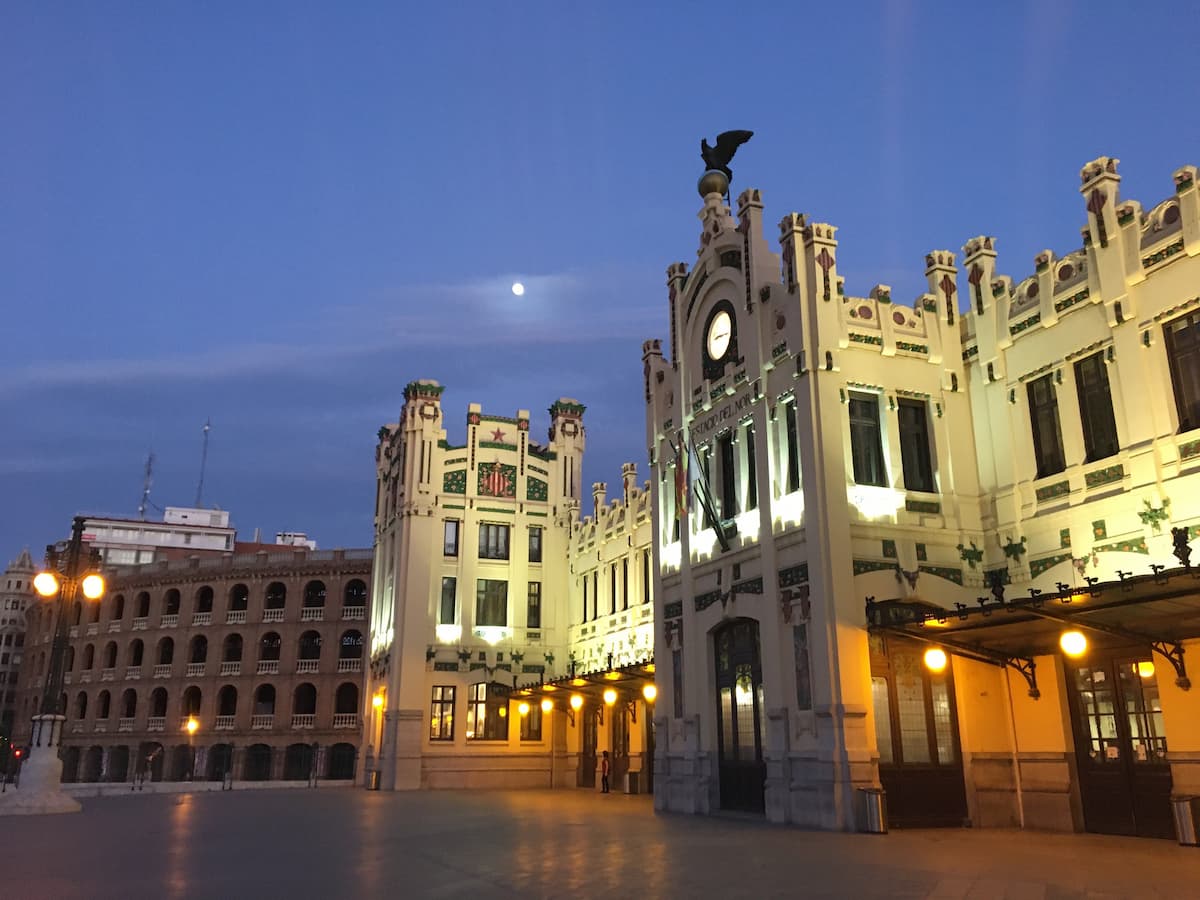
(713, 182)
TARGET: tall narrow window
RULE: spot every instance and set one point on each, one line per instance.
(612, 588)
(866, 447)
(678, 498)
(751, 469)
(491, 602)
(493, 541)
(533, 613)
(645, 576)
(1183, 354)
(585, 599)
(535, 544)
(625, 583)
(1095, 408)
(446, 613)
(1047, 437)
(441, 713)
(793, 447)
(914, 446)
(531, 723)
(729, 480)
(595, 594)
(450, 537)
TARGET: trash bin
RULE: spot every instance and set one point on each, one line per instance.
(1187, 820)
(373, 780)
(872, 810)
(631, 782)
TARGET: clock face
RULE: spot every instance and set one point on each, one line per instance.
(719, 332)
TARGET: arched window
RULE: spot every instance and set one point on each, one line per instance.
(268, 647)
(227, 701)
(314, 594)
(231, 650)
(304, 701)
(264, 700)
(351, 645)
(199, 649)
(310, 645)
(143, 605)
(94, 610)
(136, 650)
(341, 762)
(76, 613)
(297, 762)
(110, 655)
(355, 595)
(89, 657)
(256, 765)
(118, 607)
(204, 599)
(129, 704)
(276, 595)
(346, 699)
(158, 702)
(239, 597)
(103, 701)
(171, 603)
(191, 701)
(81, 705)
(69, 665)
(166, 651)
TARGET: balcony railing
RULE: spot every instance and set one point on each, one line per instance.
(272, 615)
(306, 666)
(93, 628)
(108, 675)
(156, 723)
(345, 720)
(312, 614)
(163, 671)
(231, 668)
(114, 627)
(141, 623)
(235, 617)
(223, 723)
(354, 613)
(195, 670)
(268, 667)
(85, 677)
(133, 672)
(76, 728)
(66, 677)
(202, 618)
(100, 727)
(125, 723)
(73, 631)
(267, 721)
(349, 665)
(169, 621)
(304, 721)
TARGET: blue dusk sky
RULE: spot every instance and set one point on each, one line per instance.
(275, 215)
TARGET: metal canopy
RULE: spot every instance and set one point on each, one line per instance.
(1159, 610)
(628, 680)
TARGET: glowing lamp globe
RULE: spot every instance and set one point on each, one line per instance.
(610, 696)
(522, 709)
(650, 692)
(93, 587)
(377, 701)
(45, 584)
(1073, 643)
(1145, 669)
(576, 702)
(935, 659)
(192, 725)
(547, 705)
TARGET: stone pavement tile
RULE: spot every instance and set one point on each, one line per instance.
(950, 889)
(987, 889)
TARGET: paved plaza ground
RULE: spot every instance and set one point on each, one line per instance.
(560, 844)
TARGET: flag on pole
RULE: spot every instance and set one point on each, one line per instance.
(690, 479)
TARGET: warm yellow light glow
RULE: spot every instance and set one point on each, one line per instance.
(576, 701)
(649, 667)
(46, 584)
(522, 709)
(1073, 643)
(93, 587)
(377, 701)
(650, 692)
(549, 687)
(935, 659)
(610, 696)
(192, 725)
(547, 705)
(612, 676)
(579, 682)
(504, 712)
(1145, 669)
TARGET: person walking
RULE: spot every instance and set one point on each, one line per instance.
(604, 769)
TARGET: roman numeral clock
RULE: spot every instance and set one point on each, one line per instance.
(720, 340)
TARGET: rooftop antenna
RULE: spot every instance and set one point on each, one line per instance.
(147, 480)
(203, 461)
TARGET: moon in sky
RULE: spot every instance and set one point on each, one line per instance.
(518, 288)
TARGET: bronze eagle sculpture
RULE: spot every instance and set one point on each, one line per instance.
(718, 157)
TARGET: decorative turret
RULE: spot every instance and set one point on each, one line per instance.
(567, 439)
(628, 480)
(1102, 238)
(599, 498)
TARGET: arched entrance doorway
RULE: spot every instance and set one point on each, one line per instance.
(740, 715)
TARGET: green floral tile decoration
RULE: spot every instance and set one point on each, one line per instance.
(970, 351)
(1068, 302)
(779, 350)
(793, 575)
(1165, 253)
(1051, 491)
(870, 339)
(1107, 475)
(889, 549)
(929, 305)
(704, 601)
(922, 554)
(1038, 566)
(673, 610)
(1190, 449)
(455, 482)
(1014, 330)
(863, 566)
(946, 572)
(1014, 549)
(497, 445)
(912, 348)
(1137, 545)
(1099, 530)
(1064, 537)
(923, 506)
(972, 555)
(536, 489)
(1155, 516)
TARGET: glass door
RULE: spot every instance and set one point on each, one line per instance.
(740, 713)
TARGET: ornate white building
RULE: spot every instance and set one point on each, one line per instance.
(1040, 450)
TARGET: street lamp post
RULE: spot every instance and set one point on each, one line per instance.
(41, 775)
